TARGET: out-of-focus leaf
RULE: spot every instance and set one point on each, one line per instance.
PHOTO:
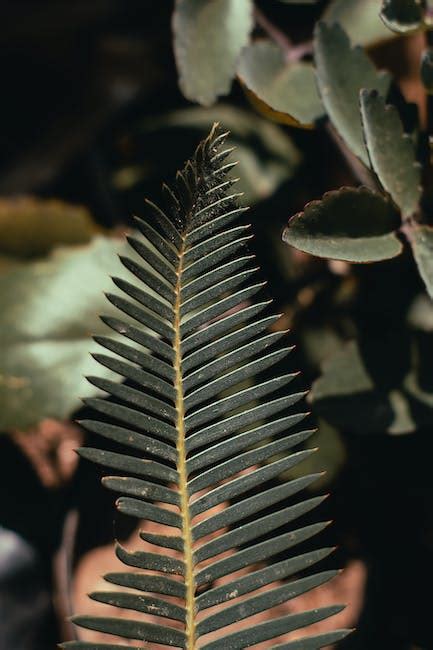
(266, 154)
(422, 246)
(414, 388)
(420, 314)
(49, 310)
(24, 589)
(360, 19)
(318, 344)
(419, 381)
(347, 397)
(31, 226)
(403, 16)
(352, 224)
(426, 70)
(7, 263)
(287, 88)
(391, 151)
(342, 71)
(330, 456)
(345, 384)
(208, 37)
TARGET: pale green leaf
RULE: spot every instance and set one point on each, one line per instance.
(352, 224)
(391, 151)
(208, 38)
(286, 87)
(422, 245)
(342, 71)
(360, 19)
(49, 311)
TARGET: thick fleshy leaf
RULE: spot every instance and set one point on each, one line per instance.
(48, 310)
(31, 227)
(212, 449)
(352, 224)
(422, 246)
(391, 151)
(288, 88)
(208, 37)
(403, 16)
(342, 71)
(265, 153)
(360, 20)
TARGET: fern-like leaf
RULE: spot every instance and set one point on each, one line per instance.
(208, 445)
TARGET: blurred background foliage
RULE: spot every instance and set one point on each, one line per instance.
(104, 100)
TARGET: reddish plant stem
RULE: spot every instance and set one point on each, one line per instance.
(292, 52)
(276, 34)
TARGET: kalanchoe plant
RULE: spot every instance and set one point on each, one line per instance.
(388, 215)
(202, 445)
(367, 224)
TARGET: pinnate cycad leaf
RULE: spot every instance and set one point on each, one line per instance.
(194, 458)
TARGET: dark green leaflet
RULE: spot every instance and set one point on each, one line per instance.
(263, 577)
(154, 584)
(250, 531)
(155, 606)
(204, 431)
(146, 361)
(262, 602)
(130, 464)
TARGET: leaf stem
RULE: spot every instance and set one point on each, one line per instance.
(292, 52)
(276, 34)
(182, 469)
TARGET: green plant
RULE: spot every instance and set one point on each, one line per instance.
(383, 140)
(205, 436)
